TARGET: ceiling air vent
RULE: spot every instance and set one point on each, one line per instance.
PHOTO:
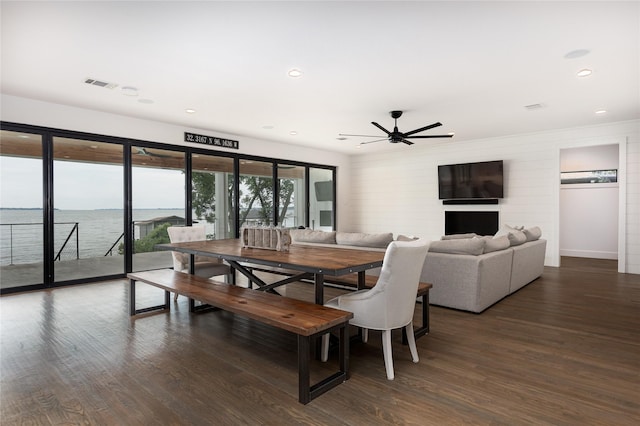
(533, 106)
(99, 83)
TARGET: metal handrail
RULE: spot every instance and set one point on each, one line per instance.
(110, 251)
(75, 228)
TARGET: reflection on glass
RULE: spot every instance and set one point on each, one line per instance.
(212, 195)
(88, 203)
(158, 199)
(321, 199)
(256, 193)
(21, 219)
(291, 196)
(590, 176)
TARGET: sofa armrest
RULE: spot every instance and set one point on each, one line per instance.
(467, 282)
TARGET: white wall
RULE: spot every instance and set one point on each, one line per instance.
(398, 190)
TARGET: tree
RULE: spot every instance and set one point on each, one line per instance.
(158, 235)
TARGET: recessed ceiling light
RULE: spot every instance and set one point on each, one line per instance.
(341, 138)
(601, 111)
(129, 91)
(190, 111)
(294, 73)
(578, 53)
(293, 133)
(584, 72)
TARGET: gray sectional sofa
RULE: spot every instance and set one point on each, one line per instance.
(468, 272)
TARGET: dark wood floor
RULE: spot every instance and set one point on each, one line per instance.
(564, 350)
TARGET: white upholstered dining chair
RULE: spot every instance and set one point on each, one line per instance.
(204, 266)
(391, 302)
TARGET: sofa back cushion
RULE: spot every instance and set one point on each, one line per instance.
(472, 246)
(364, 240)
(459, 236)
(495, 243)
(311, 236)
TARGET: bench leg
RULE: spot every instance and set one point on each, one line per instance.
(132, 301)
(424, 329)
(306, 391)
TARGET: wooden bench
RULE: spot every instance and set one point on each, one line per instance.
(351, 281)
(305, 319)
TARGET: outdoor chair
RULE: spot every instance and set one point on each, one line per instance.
(205, 266)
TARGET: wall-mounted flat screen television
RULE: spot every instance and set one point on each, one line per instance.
(470, 181)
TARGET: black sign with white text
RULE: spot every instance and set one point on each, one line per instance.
(211, 140)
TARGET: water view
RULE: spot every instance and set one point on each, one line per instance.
(97, 232)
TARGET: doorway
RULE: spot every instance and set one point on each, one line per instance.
(589, 202)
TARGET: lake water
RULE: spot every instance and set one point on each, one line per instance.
(97, 230)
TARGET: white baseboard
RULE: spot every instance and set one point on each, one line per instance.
(590, 254)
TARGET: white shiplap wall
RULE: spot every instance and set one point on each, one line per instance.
(397, 190)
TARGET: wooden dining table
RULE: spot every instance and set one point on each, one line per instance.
(306, 262)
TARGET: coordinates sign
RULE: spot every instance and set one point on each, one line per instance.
(210, 140)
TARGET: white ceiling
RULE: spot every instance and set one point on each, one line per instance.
(473, 66)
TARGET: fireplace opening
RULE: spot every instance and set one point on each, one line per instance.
(461, 222)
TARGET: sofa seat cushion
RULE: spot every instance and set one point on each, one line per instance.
(361, 239)
(472, 246)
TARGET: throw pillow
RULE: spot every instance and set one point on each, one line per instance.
(360, 239)
(517, 237)
(495, 243)
(406, 238)
(505, 229)
(311, 236)
(458, 236)
(472, 246)
(533, 234)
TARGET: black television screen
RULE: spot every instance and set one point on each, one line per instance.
(470, 180)
(324, 190)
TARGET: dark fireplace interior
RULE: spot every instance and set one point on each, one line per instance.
(460, 222)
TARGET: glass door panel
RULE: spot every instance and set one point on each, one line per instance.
(158, 200)
(321, 199)
(256, 193)
(291, 196)
(212, 195)
(21, 217)
(88, 215)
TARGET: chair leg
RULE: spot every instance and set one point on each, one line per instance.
(411, 340)
(175, 297)
(324, 349)
(365, 335)
(387, 352)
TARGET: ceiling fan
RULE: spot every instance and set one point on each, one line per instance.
(397, 136)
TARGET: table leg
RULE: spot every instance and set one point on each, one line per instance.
(319, 287)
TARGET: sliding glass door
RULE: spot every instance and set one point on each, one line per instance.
(256, 193)
(158, 201)
(212, 195)
(21, 214)
(291, 195)
(88, 209)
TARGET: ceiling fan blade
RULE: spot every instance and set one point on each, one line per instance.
(407, 142)
(377, 140)
(381, 128)
(422, 129)
(364, 136)
(430, 136)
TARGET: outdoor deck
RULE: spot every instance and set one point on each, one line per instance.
(70, 270)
